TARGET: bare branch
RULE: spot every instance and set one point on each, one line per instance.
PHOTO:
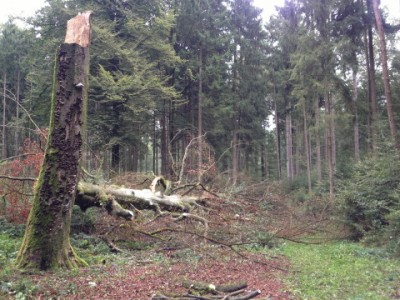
(18, 178)
(14, 98)
(17, 156)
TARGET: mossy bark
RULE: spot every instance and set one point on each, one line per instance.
(46, 243)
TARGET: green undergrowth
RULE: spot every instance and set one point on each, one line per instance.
(334, 270)
(16, 285)
(341, 270)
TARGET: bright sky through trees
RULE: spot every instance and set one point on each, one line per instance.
(26, 8)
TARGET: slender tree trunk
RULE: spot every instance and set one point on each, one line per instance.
(355, 118)
(264, 162)
(155, 171)
(306, 149)
(235, 152)
(46, 244)
(277, 145)
(371, 82)
(200, 117)
(235, 122)
(4, 130)
(115, 157)
(165, 141)
(329, 143)
(289, 145)
(297, 148)
(318, 140)
(17, 100)
(172, 147)
(385, 71)
(333, 131)
(135, 159)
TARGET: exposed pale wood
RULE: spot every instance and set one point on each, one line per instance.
(95, 195)
(78, 30)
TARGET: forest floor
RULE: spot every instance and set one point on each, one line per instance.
(136, 279)
(287, 248)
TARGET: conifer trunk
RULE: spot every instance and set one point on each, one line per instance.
(318, 141)
(200, 117)
(355, 118)
(17, 100)
(385, 71)
(371, 82)
(306, 150)
(289, 144)
(4, 131)
(164, 122)
(46, 243)
(329, 143)
(277, 144)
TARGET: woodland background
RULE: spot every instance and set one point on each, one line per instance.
(305, 105)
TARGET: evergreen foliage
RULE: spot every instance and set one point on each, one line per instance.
(371, 199)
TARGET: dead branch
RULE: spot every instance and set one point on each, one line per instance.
(18, 178)
(195, 217)
(212, 292)
(250, 295)
(11, 96)
(16, 157)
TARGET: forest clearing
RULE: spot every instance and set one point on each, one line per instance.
(192, 150)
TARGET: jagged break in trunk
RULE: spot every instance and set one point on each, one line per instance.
(46, 243)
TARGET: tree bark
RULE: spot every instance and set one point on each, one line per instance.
(115, 157)
(289, 144)
(329, 143)
(17, 100)
(371, 81)
(385, 71)
(277, 144)
(164, 122)
(200, 117)
(318, 140)
(46, 243)
(355, 118)
(333, 130)
(4, 131)
(306, 150)
(235, 120)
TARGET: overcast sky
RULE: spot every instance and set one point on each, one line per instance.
(28, 7)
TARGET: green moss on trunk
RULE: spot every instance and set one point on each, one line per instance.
(46, 243)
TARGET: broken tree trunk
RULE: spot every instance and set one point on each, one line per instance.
(46, 243)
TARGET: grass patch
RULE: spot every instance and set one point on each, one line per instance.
(341, 270)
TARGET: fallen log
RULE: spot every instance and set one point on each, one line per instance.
(116, 198)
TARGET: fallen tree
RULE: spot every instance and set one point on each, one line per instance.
(117, 200)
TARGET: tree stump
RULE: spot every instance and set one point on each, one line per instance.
(46, 243)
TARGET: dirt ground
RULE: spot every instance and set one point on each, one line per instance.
(141, 279)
